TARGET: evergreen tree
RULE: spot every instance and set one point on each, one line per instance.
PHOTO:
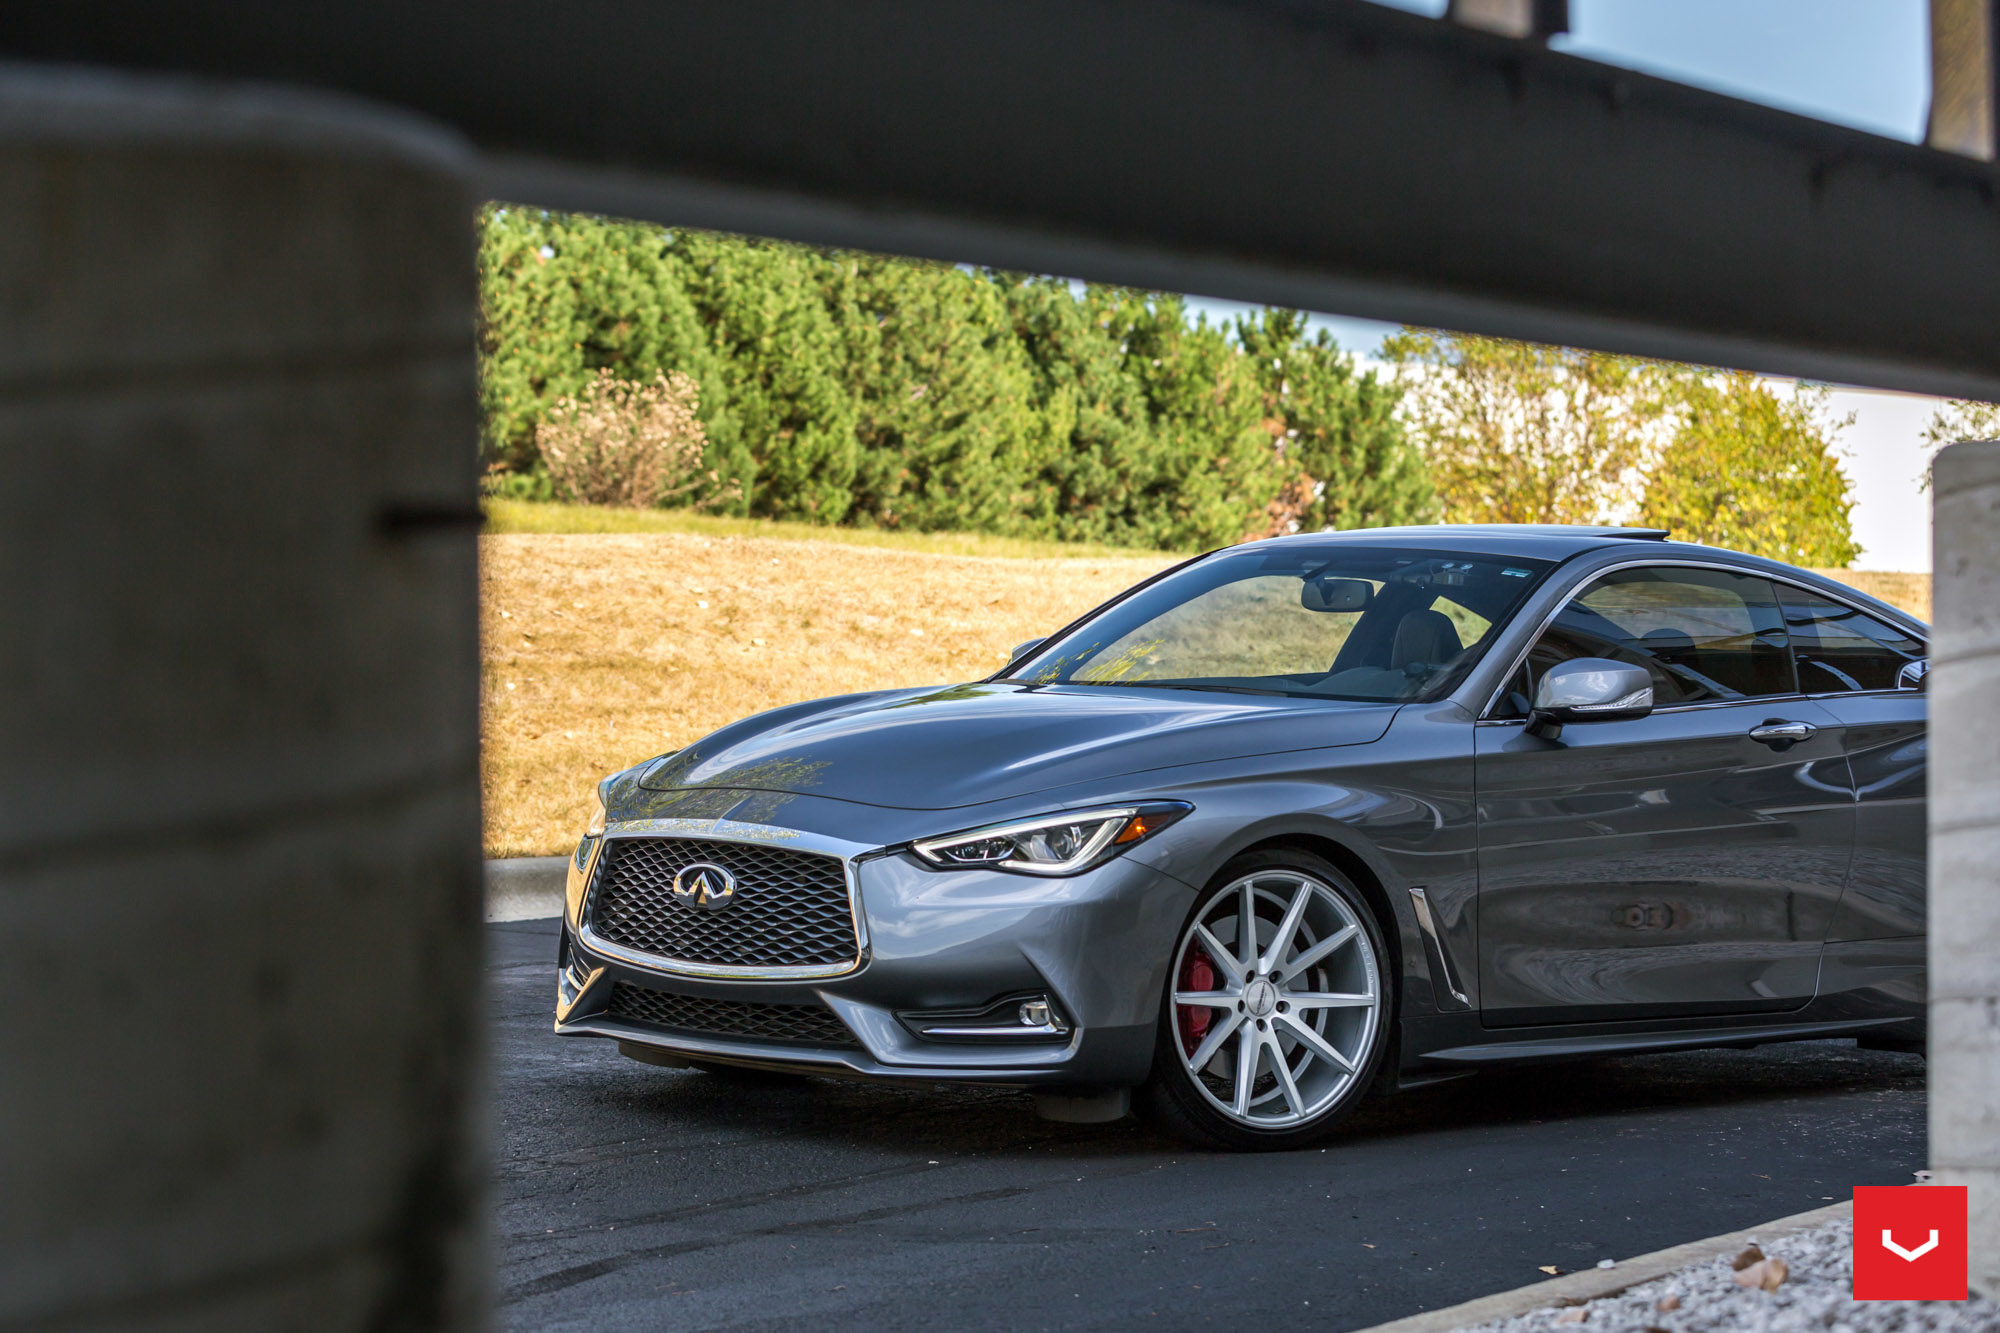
(1338, 429)
(943, 395)
(838, 387)
(563, 296)
(783, 366)
(1210, 467)
(1091, 424)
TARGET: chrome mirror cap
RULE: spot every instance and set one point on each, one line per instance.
(1591, 689)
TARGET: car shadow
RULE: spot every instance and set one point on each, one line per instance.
(1001, 1122)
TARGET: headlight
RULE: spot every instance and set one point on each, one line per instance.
(1053, 845)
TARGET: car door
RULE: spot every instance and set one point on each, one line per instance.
(1682, 863)
(1869, 672)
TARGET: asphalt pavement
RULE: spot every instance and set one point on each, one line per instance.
(632, 1197)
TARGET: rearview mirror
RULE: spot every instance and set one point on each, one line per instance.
(1589, 689)
(1021, 650)
(1336, 594)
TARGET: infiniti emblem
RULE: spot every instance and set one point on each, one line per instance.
(706, 885)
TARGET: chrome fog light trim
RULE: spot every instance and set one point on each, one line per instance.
(573, 978)
(1033, 1018)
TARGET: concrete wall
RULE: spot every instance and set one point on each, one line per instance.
(1965, 844)
(526, 888)
(239, 827)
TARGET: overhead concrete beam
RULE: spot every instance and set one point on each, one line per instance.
(1334, 154)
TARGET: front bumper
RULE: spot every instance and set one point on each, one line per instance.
(1096, 944)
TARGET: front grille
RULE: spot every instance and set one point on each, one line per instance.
(790, 908)
(795, 1024)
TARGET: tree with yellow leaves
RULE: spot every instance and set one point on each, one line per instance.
(1519, 432)
(1756, 472)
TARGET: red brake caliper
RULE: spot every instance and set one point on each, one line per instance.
(1197, 973)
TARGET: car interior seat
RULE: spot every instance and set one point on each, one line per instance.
(1674, 648)
(1426, 637)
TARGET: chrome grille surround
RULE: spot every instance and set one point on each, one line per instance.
(700, 1015)
(797, 914)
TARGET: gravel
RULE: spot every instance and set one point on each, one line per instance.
(1815, 1296)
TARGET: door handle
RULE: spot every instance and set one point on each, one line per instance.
(1780, 733)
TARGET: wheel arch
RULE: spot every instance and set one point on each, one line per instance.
(1162, 1097)
(1349, 851)
(1352, 864)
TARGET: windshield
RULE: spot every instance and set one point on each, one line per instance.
(1332, 621)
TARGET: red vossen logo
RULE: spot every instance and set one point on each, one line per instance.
(1909, 1242)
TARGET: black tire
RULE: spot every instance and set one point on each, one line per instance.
(1173, 1098)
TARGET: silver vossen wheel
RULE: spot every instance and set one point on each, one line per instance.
(1277, 999)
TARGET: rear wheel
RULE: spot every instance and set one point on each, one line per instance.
(1275, 1019)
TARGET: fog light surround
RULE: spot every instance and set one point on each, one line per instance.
(1017, 1018)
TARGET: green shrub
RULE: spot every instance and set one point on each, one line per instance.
(844, 388)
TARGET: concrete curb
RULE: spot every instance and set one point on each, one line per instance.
(525, 888)
(1593, 1283)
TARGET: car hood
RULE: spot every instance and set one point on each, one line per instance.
(969, 744)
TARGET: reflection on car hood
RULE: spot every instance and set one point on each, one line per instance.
(967, 744)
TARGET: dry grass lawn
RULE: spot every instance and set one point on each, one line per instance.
(510, 516)
(604, 649)
(1911, 592)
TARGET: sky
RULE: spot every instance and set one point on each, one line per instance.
(1864, 63)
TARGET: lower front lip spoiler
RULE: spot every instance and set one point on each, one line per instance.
(807, 1059)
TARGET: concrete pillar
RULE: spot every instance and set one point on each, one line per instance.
(1962, 51)
(1964, 907)
(239, 821)
(1536, 19)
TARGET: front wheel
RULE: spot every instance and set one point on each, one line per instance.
(1275, 1019)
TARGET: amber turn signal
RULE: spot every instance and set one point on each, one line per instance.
(1137, 828)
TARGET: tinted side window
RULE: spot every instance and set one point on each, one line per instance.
(1702, 635)
(1840, 650)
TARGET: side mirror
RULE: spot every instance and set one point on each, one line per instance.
(1914, 675)
(1021, 650)
(1589, 689)
(1336, 594)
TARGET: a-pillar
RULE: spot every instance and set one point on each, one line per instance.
(240, 1082)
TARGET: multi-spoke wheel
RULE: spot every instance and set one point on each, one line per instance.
(1273, 1022)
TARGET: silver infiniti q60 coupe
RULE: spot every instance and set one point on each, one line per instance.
(1291, 821)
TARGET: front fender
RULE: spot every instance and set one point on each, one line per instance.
(1395, 815)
